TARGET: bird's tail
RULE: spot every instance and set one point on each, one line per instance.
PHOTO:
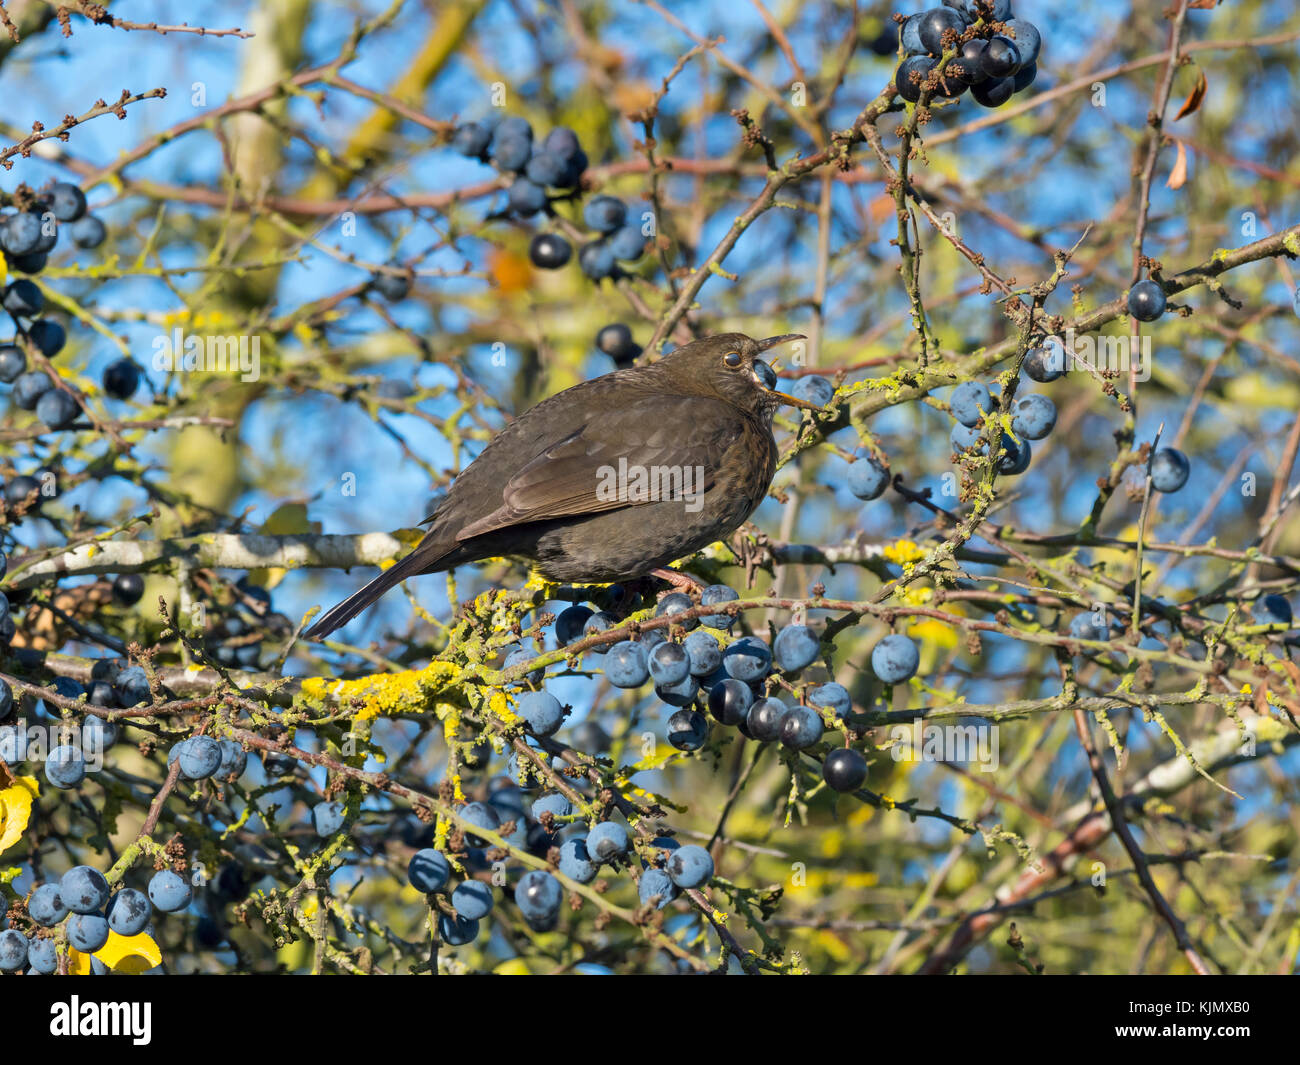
(423, 559)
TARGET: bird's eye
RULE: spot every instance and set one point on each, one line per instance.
(732, 359)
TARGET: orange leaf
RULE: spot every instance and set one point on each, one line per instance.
(1195, 97)
(1178, 175)
(511, 272)
(881, 208)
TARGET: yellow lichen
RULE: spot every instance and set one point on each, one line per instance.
(499, 705)
(450, 714)
(903, 551)
(385, 694)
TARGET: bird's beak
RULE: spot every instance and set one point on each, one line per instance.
(766, 377)
(794, 401)
(772, 342)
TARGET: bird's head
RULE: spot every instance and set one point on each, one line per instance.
(730, 366)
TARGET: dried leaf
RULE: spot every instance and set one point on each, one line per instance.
(43, 630)
(630, 97)
(881, 209)
(1195, 97)
(1178, 175)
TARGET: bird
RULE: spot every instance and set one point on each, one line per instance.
(613, 478)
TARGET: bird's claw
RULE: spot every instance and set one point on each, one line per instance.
(683, 582)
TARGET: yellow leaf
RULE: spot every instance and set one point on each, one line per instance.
(122, 954)
(932, 630)
(288, 519)
(834, 945)
(16, 810)
(832, 843)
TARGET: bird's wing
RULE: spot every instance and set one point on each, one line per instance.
(657, 447)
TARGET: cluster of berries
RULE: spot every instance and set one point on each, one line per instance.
(554, 169)
(993, 53)
(30, 233)
(27, 236)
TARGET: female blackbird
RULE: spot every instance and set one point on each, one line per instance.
(613, 478)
